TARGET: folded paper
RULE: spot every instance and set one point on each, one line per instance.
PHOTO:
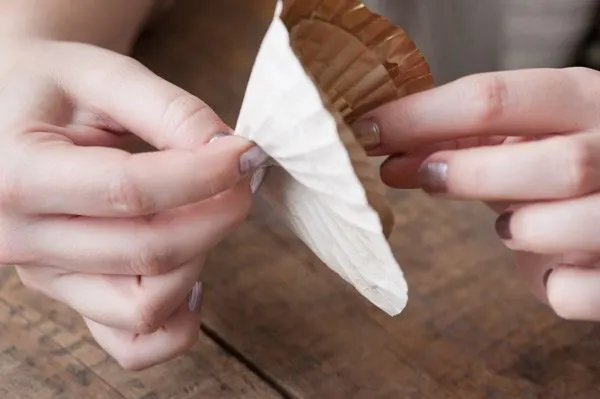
(321, 65)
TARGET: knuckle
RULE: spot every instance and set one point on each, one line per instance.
(580, 164)
(153, 260)
(490, 94)
(147, 315)
(126, 197)
(186, 113)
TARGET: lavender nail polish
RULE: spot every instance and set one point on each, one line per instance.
(252, 159)
(434, 176)
(195, 298)
(367, 133)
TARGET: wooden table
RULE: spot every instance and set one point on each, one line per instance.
(278, 324)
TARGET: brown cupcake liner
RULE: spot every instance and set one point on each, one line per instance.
(358, 60)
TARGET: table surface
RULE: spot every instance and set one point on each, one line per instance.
(278, 324)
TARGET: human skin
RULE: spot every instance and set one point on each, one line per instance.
(527, 143)
(118, 237)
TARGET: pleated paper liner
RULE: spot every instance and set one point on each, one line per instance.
(367, 174)
(323, 186)
(358, 61)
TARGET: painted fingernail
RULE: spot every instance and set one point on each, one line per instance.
(218, 135)
(257, 179)
(502, 225)
(252, 159)
(434, 176)
(547, 276)
(195, 298)
(367, 133)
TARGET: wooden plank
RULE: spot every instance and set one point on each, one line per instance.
(33, 364)
(470, 329)
(47, 352)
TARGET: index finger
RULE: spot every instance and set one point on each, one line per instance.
(61, 178)
(514, 103)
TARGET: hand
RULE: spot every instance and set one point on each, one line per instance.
(527, 142)
(119, 237)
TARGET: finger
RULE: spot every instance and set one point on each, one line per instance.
(137, 352)
(401, 171)
(573, 293)
(555, 168)
(552, 227)
(113, 85)
(137, 246)
(86, 136)
(523, 103)
(535, 270)
(96, 120)
(28, 98)
(95, 129)
(129, 303)
(156, 110)
(59, 178)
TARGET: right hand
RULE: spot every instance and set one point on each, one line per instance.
(525, 142)
(119, 237)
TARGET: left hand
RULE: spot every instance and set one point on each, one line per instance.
(119, 237)
(526, 142)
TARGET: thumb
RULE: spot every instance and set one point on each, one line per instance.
(147, 105)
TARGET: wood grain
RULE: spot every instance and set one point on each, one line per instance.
(47, 352)
(470, 329)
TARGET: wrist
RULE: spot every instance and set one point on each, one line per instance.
(112, 24)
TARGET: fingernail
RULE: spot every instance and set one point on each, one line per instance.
(195, 298)
(547, 276)
(502, 226)
(257, 179)
(367, 133)
(434, 177)
(218, 135)
(252, 159)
